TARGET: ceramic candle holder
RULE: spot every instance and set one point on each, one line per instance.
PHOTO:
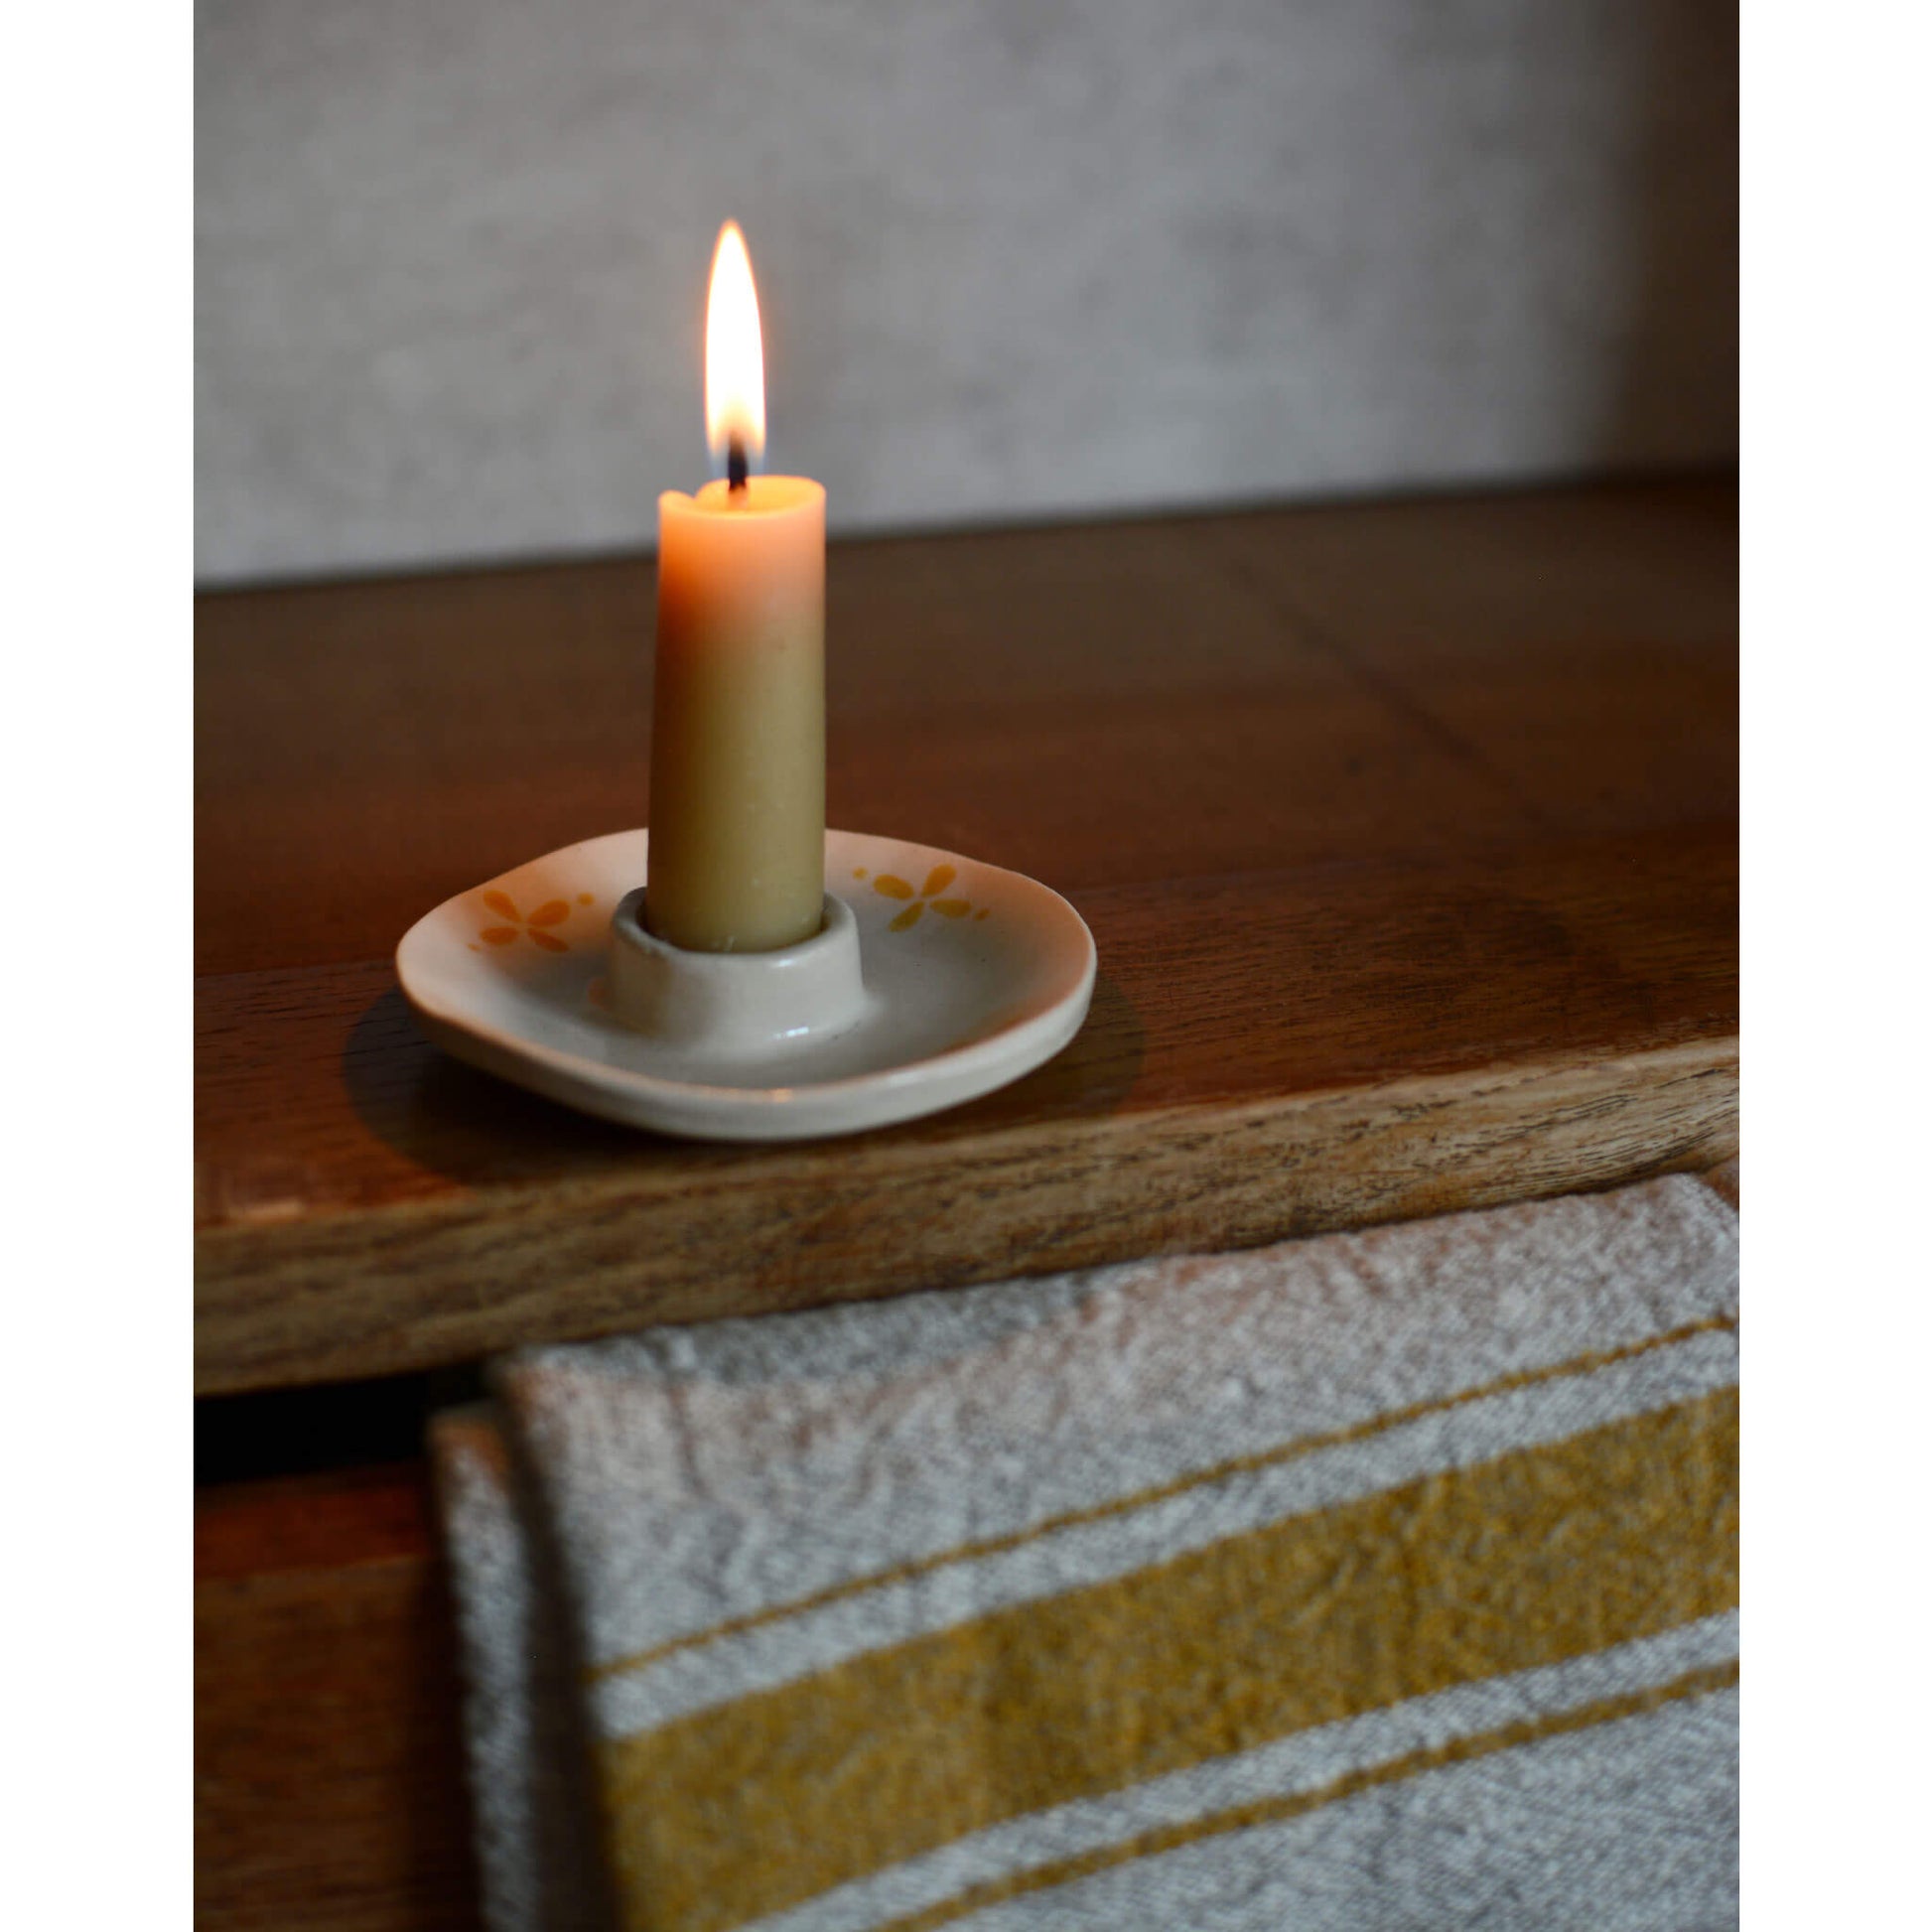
(934, 979)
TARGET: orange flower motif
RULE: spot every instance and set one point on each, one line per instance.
(936, 881)
(551, 912)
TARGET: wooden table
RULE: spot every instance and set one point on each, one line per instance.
(1408, 836)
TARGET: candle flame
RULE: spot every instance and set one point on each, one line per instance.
(734, 354)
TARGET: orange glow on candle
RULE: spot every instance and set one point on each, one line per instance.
(734, 354)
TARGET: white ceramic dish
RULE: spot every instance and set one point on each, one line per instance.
(973, 976)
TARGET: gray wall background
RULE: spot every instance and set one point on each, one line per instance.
(1018, 258)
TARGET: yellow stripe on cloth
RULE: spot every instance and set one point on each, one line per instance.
(1234, 1466)
(1540, 1555)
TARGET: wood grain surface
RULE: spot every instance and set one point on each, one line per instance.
(1407, 833)
(329, 1783)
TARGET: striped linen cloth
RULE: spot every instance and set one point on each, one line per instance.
(1384, 1580)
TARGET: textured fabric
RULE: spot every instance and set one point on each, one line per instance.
(1382, 1579)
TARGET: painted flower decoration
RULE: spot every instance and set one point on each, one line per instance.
(552, 913)
(891, 885)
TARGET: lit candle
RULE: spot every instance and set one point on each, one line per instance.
(737, 860)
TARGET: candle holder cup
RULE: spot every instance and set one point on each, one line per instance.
(736, 1006)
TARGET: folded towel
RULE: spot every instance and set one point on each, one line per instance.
(1383, 1580)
